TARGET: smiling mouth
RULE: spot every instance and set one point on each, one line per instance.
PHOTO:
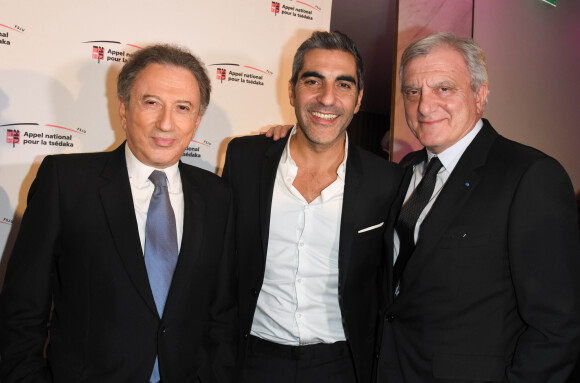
(324, 116)
(164, 141)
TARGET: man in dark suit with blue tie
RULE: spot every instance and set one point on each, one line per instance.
(130, 250)
(486, 253)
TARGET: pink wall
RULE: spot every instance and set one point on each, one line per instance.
(533, 55)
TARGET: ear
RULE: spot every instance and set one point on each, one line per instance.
(358, 101)
(196, 125)
(481, 98)
(123, 114)
(291, 92)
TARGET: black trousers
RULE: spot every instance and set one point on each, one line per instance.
(269, 362)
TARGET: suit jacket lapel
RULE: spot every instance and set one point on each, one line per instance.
(456, 191)
(354, 172)
(267, 179)
(408, 162)
(192, 238)
(117, 202)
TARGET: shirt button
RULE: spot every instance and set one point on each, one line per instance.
(301, 244)
(299, 280)
(298, 315)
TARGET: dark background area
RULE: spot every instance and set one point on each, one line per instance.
(371, 25)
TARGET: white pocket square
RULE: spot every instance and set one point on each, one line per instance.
(371, 227)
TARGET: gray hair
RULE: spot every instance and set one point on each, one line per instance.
(329, 41)
(469, 49)
(163, 54)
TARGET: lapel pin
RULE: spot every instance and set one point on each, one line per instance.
(467, 184)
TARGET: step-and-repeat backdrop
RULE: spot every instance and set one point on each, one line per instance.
(59, 62)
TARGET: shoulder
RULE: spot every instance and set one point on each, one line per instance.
(251, 143)
(202, 177)
(69, 164)
(373, 160)
(514, 157)
(510, 162)
(373, 167)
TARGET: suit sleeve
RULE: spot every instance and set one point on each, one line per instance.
(544, 252)
(223, 311)
(25, 302)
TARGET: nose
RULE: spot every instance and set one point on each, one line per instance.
(165, 121)
(327, 94)
(427, 102)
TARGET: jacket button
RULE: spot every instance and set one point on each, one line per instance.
(390, 318)
(246, 336)
(255, 292)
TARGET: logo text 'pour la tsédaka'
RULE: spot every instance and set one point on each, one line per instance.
(102, 52)
(16, 135)
(306, 11)
(242, 74)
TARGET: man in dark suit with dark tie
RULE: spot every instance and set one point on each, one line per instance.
(130, 250)
(310, 216)
(485, 285)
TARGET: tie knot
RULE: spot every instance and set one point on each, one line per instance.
(433, 166)
(158, 178)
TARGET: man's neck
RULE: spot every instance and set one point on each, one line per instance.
(317, 165)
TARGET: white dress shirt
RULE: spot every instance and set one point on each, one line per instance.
(298, 302)
(449, 158)
(142, 190)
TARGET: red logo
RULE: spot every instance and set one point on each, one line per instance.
(221, 74)
(98, 53)
(275, 8)
(13, 137)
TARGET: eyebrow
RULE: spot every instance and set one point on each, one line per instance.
(444, 83)
(157, 97)
(311, 74)
(346, 78)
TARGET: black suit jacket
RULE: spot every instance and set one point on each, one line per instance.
(370, 188)
(492, 290)
(78, 249)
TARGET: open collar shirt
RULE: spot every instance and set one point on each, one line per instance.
(298, 303)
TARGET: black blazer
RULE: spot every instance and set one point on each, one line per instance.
(79, 250)
(370, 188)
(492, 290)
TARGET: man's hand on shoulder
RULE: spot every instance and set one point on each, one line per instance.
(277, 132)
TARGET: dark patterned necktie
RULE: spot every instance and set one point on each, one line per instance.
(409, 215)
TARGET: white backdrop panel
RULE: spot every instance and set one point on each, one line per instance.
(59, 61)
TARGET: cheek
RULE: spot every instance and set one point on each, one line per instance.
(411, 113)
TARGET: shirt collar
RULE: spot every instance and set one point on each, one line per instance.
(450, 156)
(139, 172)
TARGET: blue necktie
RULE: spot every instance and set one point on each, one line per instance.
(160, 246)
